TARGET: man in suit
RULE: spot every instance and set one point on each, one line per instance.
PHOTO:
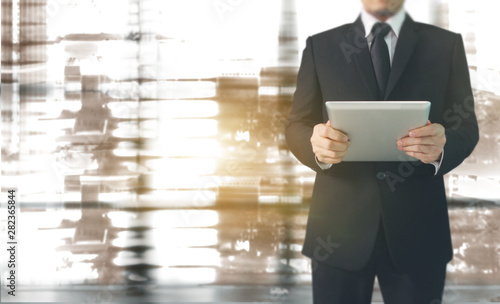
(381, 219)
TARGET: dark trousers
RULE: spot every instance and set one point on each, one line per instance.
(332, 285)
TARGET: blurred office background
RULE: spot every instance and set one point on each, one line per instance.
(145, 140)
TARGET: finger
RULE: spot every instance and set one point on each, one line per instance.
(425, 158)
(328, 144)
(410, 141)
(428, 130)
(329, 160)
(420, 149)
(323, 154)
(341, 149)
(333, 134)
(338, 146)
(325, 130)
(429, 154)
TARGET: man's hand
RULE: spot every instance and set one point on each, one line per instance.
(425, 143)
(329, 145)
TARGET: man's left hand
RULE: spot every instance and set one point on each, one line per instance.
(425, 144)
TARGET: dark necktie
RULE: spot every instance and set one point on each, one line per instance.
(380, 55)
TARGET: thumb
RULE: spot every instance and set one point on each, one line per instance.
(328, 124)
(429, 122)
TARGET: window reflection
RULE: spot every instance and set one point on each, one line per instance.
(144, 157)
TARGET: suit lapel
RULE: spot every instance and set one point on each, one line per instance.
(361, 56)
(407, 41)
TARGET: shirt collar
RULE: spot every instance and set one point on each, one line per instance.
(396, 21)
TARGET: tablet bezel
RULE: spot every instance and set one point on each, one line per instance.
(374, 127)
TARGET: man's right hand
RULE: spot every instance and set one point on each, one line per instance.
(329, 145)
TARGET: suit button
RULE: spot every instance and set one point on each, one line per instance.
(381, 175)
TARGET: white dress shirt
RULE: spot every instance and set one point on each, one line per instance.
(396, 22)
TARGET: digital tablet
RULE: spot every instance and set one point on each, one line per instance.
(373, 127)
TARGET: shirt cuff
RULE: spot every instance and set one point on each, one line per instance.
(437, 163)
(322, 165)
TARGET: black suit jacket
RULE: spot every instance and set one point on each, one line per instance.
(348, 199)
